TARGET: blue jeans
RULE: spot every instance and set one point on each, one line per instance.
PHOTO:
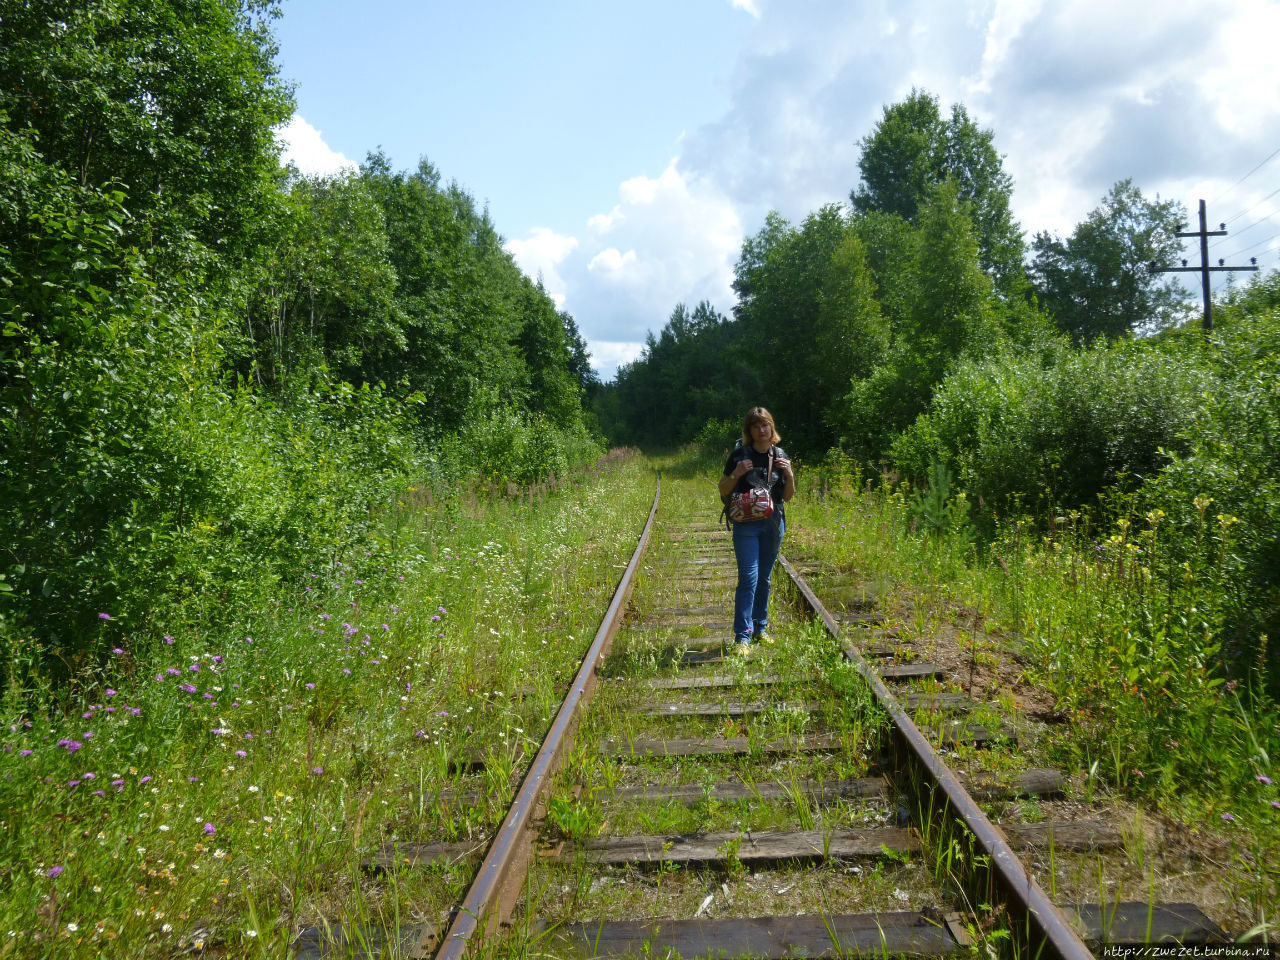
(756, 546)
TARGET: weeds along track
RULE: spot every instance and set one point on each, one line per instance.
(791, 802)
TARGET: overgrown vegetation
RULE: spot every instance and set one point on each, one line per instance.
(214, 374)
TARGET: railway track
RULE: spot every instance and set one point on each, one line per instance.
(690, 801)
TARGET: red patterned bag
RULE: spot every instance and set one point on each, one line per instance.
(753, 504)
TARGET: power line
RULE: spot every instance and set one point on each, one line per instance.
(1253, 245)
(1256, 223)
(1243, 213)
(1274, 154)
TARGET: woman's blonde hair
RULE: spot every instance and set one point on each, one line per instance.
(759, 415)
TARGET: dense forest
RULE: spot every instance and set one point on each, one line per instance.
(913, 332)
(215, 371)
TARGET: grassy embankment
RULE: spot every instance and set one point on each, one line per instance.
(1115, 628)
(222, 790)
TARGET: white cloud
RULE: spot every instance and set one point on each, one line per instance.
(612, 262)
(303, 145)
(608, 355)
(540, 255)
(670, 239)
(748, 5)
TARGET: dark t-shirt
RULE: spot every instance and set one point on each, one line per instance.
(755, 477)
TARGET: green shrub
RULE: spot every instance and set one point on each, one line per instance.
(1226, 474)
(1018, 430)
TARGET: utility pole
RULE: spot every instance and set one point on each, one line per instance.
(1204, 233)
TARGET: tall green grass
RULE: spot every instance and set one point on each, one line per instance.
(222, 787)
(1118, 620)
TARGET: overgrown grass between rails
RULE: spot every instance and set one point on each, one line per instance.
(224, 788)
(1122, 629)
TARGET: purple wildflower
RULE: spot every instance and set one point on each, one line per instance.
(1263, 778)
(168, 641)
(210, 829)
(54, 871)
(110, 692)
(104, 616)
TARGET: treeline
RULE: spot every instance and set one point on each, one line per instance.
(215, 373)
(913, 332)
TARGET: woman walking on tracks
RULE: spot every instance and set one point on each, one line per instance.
(757, 482)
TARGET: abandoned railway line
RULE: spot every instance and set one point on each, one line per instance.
(832, 793)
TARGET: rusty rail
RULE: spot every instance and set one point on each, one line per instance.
(1045, 924)
(496, 886)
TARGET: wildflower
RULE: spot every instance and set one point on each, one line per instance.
(71, 745)
(241, 753)
(385, 627)
(110, 692)
(25, 753)
(1263, 778)
(71, 926)
(146, 779)
(194, 668)
(168, 641)
(1229, 818)
(193, 779)
(317, 770)
(187, 687)
(219, 731)
(1275, 804)
(311, 686)
(104, 616)
(210, 829)
(251, 933)
(54, 871)
(117, 651)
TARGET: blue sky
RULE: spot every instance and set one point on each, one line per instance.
(625, 150)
